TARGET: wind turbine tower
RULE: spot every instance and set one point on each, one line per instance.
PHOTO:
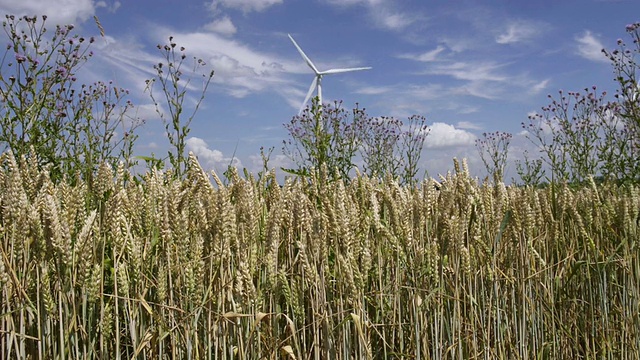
(316, 84)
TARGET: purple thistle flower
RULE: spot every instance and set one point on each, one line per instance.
(20, 58)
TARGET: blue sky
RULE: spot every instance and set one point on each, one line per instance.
(468, 66)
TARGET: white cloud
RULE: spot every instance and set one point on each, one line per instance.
(443, 135)
(424, 92)
(210, 159)
(472, 71)
(383, 13)
(392, 21)
(356, 2)
(440, 161)
(112, 8)
(245, 5)
(459, 44)
(276, 161)
(485, 79)
(240, 70)
(374, 90)
(464, 109)
(589, 47)
(146, 112)
(58, 12)
(424, 57)
(546, 125)
(481, 89)
(128, 56)
(476, 75)
(537, 88)
(222, 26)
(518, 32)
(467, 125)
(404, 99)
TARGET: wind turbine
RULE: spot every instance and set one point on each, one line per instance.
(317, 81)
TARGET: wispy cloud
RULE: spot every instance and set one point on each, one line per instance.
(464, 109)
(240, 70)
(590, 47)
(357, 2)
(518, 32)
(73, 11)
(384, 13)
(390, 19)
(428, 56)
(245, 5)
(467, 125)
(459, 44)
(374, 90)
(126, 55)
(424, 92)
(471, 71)
(537, 88)
(222, 26)
(481, 89)
(146, 112)
(406, 99)
(276, 161)
(112, 8)
(474, 62)
(482, 78)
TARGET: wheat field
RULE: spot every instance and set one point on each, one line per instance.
(162, 268)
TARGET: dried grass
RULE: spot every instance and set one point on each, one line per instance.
(315, 269)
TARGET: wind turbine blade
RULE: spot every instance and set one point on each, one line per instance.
(304, 56)
(319, 87)
(337, 71)
(309, 93)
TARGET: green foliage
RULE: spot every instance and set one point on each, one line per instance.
(582, 135)
(323, 136)
(624, 154)
(331, 136)
(530, 171)
(390, 146)
(72, 128)
(493, 149)
(175, 83)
